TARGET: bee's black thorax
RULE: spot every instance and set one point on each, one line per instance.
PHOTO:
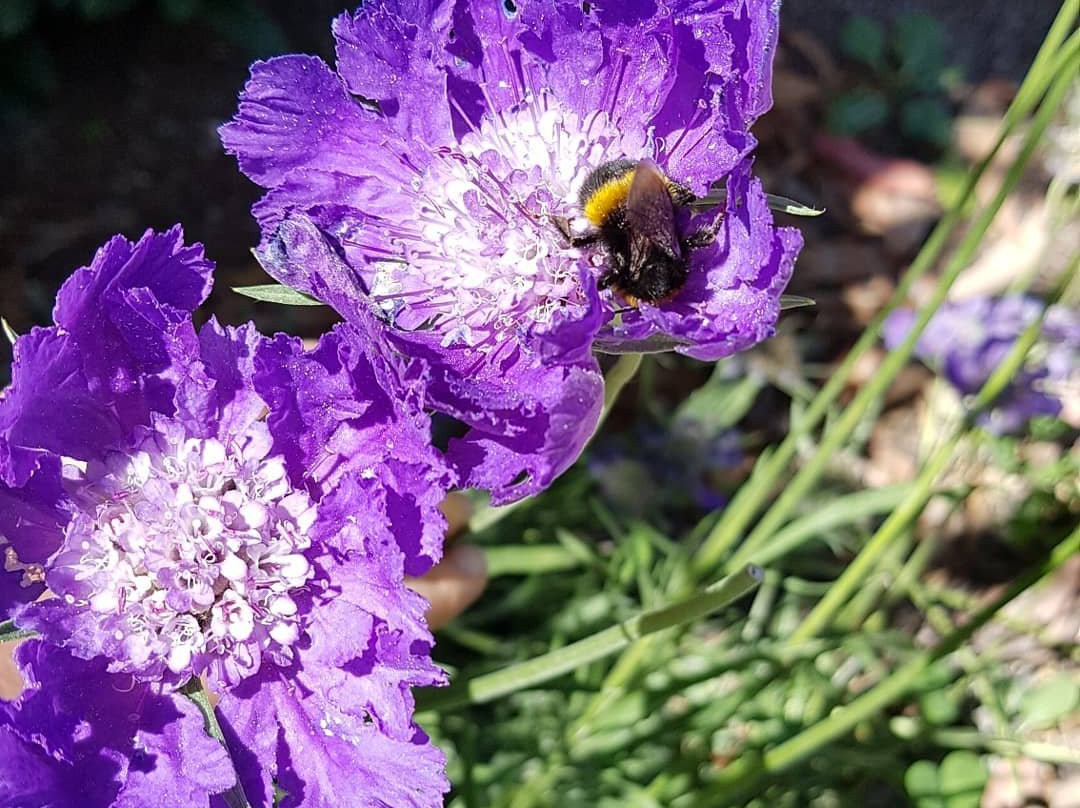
(635, 221)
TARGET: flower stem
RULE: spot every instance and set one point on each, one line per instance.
(748, 770)
(549, 666)
(197, 694)
(618, 376)
(526, 560)
(1051, 65)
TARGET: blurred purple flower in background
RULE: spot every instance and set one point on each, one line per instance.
(651, 467)
(212, 503)
(966, 341)
(427, 168)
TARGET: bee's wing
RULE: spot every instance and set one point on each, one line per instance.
(650, 214)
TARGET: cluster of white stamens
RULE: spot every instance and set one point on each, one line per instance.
(483, 262)
(188, 554)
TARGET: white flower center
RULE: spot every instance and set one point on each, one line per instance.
(189, 553)
(483, 263)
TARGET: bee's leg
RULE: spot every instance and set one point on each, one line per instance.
(703, 237)
(680, 194)
(606, 279)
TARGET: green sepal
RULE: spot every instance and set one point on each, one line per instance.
(795, 302)
(277, 293)
(9, 332)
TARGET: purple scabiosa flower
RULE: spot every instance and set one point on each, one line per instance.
(433, 167)
(967, 340)
(210, 503)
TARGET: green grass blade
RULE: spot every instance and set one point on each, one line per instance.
(1050, 63)
(797, 488)
(597, 646)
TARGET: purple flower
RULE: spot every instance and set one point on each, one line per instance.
(212, 503)
(428, 170)
(650, 468)
(967, 341)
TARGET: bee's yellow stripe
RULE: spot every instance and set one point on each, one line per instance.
(607, 198)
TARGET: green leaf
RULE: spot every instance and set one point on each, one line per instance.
(857, 111)
(939, 707)
(788, 302)
(277, 293)
(919, 43)
(863, 40)
(781, 204)
(721, 402)
(962, 777)
(791, 207)
(1045, 705)
(926, 119)
(921, 784)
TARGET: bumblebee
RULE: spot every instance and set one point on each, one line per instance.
(632, 207)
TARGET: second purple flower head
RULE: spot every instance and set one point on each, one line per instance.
(426, 180)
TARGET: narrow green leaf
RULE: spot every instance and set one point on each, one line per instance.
(788, 302)
(846, 510)
(9, 332)
(546, 667)
(781, 204)
(277, 293)
(511, 560)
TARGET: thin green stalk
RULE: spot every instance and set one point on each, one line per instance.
(197, 694)
(798, 487)
(855, 574)
(840, 512)
(618, 376)
(604, 643)
(908, 729)
(526, 560)
(1049, 65)
(748, 770)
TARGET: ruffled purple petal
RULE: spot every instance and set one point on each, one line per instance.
(732, 298)
(32, 519)
(217, 398)
(122, 341)
(343, 410)
(299, 131)
(81, 737)
(369, 671)
(322, 757)
(384, 54)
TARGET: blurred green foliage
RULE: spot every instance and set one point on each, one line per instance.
(904, 87)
